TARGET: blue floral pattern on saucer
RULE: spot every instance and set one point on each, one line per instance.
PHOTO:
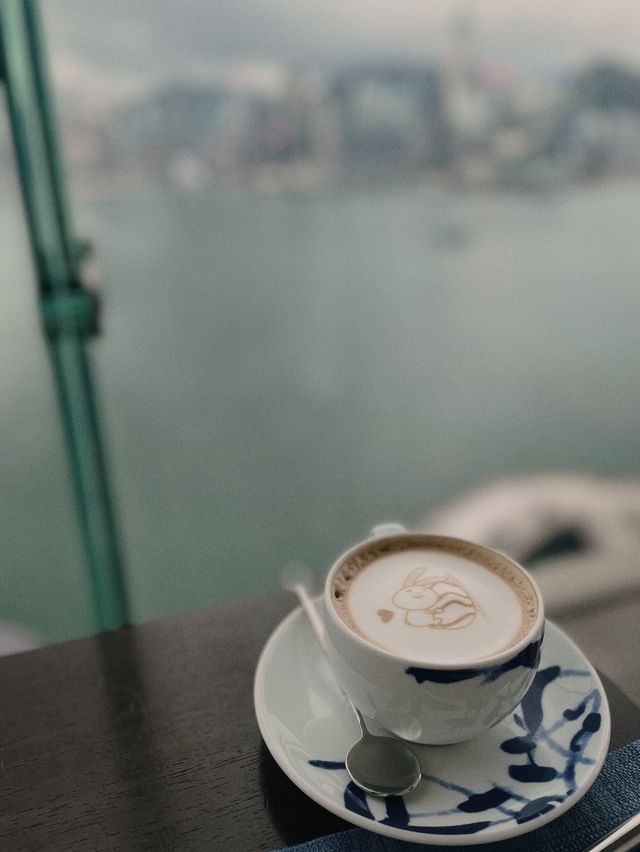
(524, 772)
(504, 803)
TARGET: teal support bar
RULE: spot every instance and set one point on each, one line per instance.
(69, 309)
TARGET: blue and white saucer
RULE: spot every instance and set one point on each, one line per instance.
(523, 773)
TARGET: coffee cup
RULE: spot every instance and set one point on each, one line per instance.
(434, 638)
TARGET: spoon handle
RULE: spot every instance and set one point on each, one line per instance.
(308, 605)
(312, 613)
(361, 722)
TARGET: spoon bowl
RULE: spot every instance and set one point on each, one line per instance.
(383, 766)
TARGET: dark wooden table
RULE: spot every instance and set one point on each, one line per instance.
(146, 738)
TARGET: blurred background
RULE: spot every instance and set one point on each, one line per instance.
(357, 259)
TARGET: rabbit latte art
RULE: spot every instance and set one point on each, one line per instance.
(434, 599)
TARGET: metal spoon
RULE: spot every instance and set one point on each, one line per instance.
(382, 766)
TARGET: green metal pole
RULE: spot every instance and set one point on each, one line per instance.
(69, 310)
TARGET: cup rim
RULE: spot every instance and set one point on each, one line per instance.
(534, 633)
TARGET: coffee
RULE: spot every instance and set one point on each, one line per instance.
(431, 599)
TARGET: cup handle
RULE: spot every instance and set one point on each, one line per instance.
(387, 529)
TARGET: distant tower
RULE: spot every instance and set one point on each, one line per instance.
(461, 59)
(465, 100)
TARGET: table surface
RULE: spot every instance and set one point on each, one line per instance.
(145, 738)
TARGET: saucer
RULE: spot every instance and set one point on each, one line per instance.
(523, 773)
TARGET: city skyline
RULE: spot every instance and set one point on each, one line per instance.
(237, 118)
(119, 53)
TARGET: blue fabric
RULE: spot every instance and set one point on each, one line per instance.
(614, 797)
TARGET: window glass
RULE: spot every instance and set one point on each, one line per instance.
(357, 259)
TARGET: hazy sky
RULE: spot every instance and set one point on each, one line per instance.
(119, 44)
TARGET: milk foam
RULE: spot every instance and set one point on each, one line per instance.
(434, 605)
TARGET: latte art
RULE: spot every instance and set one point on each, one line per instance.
(432, 599)
(438, 602)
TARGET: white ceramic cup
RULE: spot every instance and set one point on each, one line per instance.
(432, 701)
